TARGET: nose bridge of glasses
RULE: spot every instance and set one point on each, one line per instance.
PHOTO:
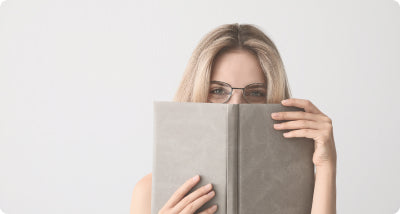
(241, 89)
(238, 88)
(240, 95)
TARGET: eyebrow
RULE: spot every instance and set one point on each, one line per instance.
(218, 82)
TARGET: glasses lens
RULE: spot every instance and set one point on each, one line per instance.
(256, 93)
(219, 92)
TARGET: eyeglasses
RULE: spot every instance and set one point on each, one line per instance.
(221, 92)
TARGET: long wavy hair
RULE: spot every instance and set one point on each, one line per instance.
(194, 86)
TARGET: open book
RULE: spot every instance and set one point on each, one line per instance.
(252, 167)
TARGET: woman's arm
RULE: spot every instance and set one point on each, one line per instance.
(312, 123)
(324, 199)
(141, 196)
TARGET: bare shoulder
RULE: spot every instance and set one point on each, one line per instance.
(145, 181)
(141, 196)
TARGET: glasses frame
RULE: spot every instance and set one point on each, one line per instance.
(232, 88)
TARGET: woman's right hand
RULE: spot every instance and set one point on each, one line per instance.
(189, 204)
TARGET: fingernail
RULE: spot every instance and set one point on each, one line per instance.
(275, 114)
(277, 125)
(213, 208)
(208, 186)
(196, 178)
(211, 193)
(285, 101)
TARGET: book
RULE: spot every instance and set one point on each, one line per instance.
(252, 166)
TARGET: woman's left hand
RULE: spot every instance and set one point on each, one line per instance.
(310, 124)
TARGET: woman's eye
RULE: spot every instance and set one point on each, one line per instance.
(256, 94)
(217, 91)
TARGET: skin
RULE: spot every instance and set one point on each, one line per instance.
(240, 68)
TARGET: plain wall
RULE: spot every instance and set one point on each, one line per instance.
(78, 79)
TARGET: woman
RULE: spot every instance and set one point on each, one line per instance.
(238, 56)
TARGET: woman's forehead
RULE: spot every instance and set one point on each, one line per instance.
(238, 68)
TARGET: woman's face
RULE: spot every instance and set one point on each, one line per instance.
(237, 68)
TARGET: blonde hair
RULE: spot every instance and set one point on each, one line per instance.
(194, 85)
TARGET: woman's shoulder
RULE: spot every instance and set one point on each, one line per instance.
(144, 184)
(145, 179)
(141, 196)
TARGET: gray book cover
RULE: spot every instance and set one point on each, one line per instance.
(252, 167)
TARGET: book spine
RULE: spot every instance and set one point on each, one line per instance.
(232, 159)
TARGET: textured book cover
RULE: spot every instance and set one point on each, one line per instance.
(252, 167)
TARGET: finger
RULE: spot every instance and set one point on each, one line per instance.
(195, 205)
(297, 115)
(307, 105)
(212, 209)
(308, 133)
(182, 191)
(297, 124)
(192, 197)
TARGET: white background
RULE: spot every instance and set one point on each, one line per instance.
(78, 78)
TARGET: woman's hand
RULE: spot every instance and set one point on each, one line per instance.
(310, 124)
(189, 204)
